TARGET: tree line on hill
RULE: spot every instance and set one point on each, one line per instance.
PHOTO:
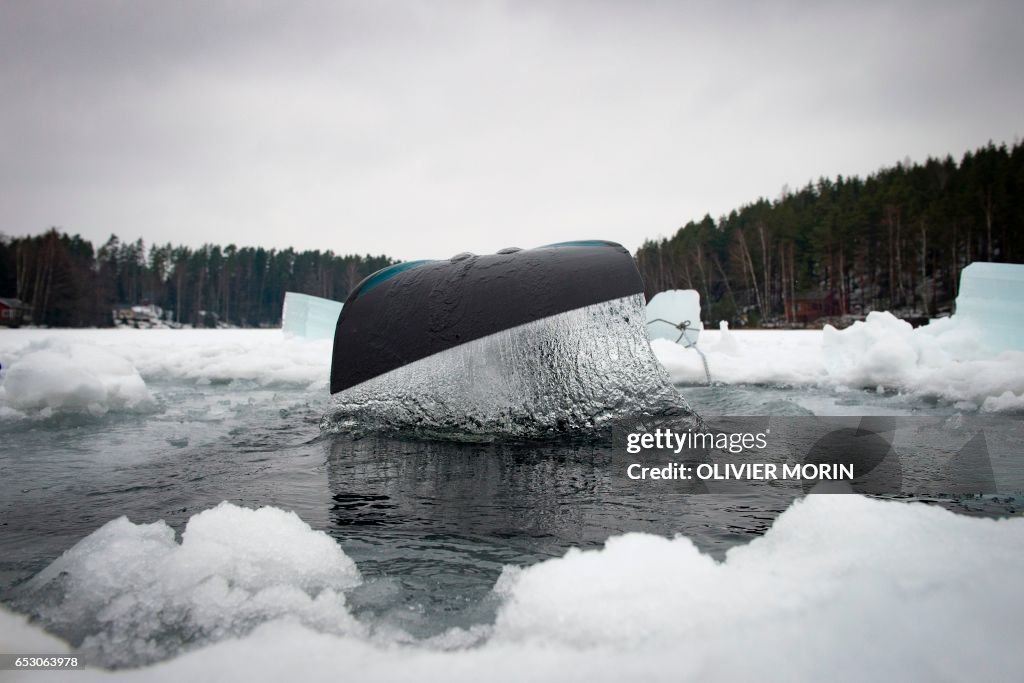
(68, 283)
(896, 240)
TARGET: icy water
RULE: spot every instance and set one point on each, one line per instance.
(430, 525)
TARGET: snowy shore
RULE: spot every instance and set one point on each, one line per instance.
(97, 371)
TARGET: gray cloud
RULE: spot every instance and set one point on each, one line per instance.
(423, 129)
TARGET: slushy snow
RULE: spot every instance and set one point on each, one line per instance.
(841, 588)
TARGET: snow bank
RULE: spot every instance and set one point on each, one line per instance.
(60, 376)
(132, 594)
(777, 357)
(840, 588)
(948, 359)
(1007, 402)
(838, 581)
(264, 357)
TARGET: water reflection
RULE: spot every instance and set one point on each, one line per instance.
(542, 498)
(486, 491)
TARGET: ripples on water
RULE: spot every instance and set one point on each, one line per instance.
(429, 524)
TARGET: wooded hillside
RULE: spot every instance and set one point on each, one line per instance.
(895, 240)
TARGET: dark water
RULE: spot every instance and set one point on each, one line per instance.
(430, 525)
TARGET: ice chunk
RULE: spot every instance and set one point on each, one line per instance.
(992, 296)
(70, 377)
(309, 316)
(677, 306)
(129, 593)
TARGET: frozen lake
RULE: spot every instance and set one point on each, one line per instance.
(162, 426)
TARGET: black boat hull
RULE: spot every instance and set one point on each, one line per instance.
(414, 310)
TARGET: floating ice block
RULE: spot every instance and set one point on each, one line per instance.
(309, 316)
(992, 297)
(676, 306)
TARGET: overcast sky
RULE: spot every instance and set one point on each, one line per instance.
(422, 129)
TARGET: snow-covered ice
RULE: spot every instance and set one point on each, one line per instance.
(946, 359)
(840, 588)
(57, 374)
(94, 371)
(100, 371)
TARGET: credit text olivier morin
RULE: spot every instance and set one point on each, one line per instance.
(737, 442)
